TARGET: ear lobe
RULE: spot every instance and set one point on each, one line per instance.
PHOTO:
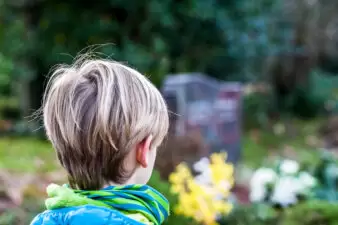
(142, 151)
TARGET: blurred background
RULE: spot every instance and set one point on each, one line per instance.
(257, 79)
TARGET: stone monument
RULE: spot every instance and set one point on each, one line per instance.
(199, 102)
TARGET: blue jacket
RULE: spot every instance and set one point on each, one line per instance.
(83, 215)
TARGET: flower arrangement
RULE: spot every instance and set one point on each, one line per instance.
(203, 197)
(283, 185)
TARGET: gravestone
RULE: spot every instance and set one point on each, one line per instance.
(198, 102)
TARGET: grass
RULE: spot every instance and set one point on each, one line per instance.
(258, 145)
(26, 155)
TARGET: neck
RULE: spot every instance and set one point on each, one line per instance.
(130, 181)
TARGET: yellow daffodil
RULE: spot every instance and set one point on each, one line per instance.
(204, 202)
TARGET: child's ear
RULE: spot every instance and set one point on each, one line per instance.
(142, 150)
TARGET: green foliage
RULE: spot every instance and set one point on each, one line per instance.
(311, 213)
(14, 70)
(6, 68)
(326, 172)
(309, 100)
(305, 102)
(256, 214)
(256, 109)
(14, 44)
(261, 32)
(307, 213)
(325, 87)
(159, 37)
(8, 106)
(155, 36)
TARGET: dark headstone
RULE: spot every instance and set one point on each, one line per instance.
(198, 102)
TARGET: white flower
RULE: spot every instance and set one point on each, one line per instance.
(307, 180)
(285, 191)
(289, 167)
(259, 180)
(263, 176)
(201, 165)
(257, 193)
(204, 178)
(224, 185)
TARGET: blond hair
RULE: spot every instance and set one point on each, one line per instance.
(95, 112)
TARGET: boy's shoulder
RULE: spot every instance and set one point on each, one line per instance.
(83, 215)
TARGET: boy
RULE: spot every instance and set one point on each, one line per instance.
(105, 121)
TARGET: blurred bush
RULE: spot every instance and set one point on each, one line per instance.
(266, 43)
(157, 37)
(311, 213)
(311, 100)
(263, 105)
(15, 71)
(9, 108)
(326, 172)
(168, 39)
(256, 214)
(258, 105)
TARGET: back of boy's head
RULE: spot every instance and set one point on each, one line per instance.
(95, 112)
